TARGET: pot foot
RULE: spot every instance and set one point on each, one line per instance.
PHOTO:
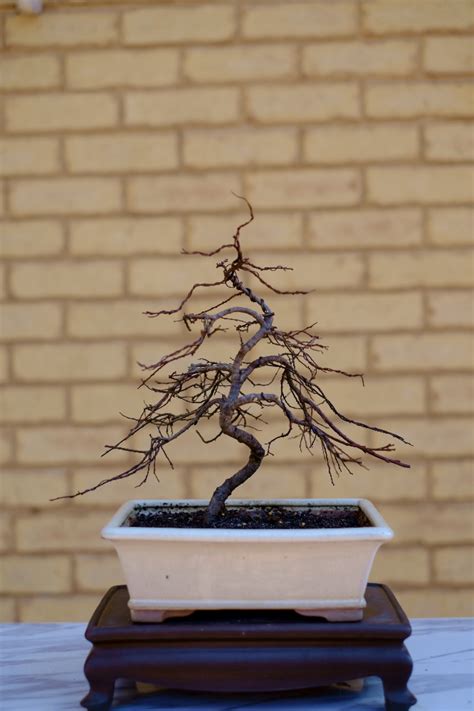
(354, 614)
(157, 615)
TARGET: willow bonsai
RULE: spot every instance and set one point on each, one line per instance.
(231, 391)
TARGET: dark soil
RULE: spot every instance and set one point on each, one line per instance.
(250, 517)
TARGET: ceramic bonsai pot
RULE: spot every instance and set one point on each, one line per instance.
(317, 572)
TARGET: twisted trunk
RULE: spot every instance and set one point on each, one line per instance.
(216, 505)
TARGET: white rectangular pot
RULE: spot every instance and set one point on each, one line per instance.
(174, 571)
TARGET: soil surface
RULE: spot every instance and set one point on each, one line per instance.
(250, 517)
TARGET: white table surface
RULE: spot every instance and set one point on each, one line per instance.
(41, 670)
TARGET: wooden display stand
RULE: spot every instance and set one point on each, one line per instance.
(236, 651)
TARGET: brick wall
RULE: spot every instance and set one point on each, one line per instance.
(126, 127)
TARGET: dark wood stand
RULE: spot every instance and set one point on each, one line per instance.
(237, 651)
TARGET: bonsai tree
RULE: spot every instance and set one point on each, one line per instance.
(232, 391)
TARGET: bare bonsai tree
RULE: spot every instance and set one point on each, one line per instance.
(209, 388)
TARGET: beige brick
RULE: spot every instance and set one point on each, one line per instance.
(385, 58)
(303, 102)
(435, 184)
(183, 193)
(451, 225)
(224, 451)
(32, 487)
(366, 312)
(182, 106)
(105, 403)
(216, 349)
(402, 566)
(448, 55)
(297, 19)
(397, 391)
(424, 351)
(165, 25)
(450, 141)
(313, 271)
(28, 321)
(70, 362)
(365, 228)
(120, 318)
(454, 565)
(303, 188)
(437, 603)
(64, 279)
(3, 281)
(451, 308)
(345, 352)
(61, 29)
(374, 483)
(239, 63)
(390, 16)
(43, 573)
(56, 112)
(453, 480)
(7, 609)
(62, 444)
(6, 533)
(275, 230)
(248, 146)
(406, 100)
(57, 608)
(443, 436)
(167, 275)
(136, 68)
(279, 482)
(29, 156)
(121, 153)
(453, 393)
(430, 523)
(108, 495)
(97, 572)
(126, 236)
(379, 396)
(342, 144)
(30, 238)
(65, 196)
(171, 484)
(31, 404)
(34, 72)
(421, 268)
(3, 364)
(288, 450)
(2, 198)
(270, 481)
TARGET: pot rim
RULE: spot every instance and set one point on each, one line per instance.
(378, 531)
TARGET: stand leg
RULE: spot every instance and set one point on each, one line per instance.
(99, 697)
(101, 682)
(398, 697)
